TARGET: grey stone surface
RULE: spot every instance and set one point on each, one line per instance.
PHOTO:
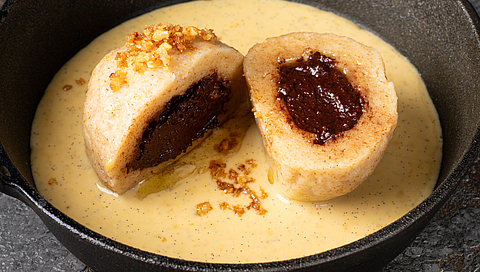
(27, 245)
(451, 242)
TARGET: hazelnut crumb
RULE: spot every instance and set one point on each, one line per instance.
(238, 186)
(237, 209)
(151, 49)
(204, 208)
(67, 87)
(226, 145)
(52, 181)
(80, 81)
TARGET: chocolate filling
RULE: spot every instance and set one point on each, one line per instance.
(185, 119)
(319, 98)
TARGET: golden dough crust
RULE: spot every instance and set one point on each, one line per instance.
(114, 121)
(304, 170)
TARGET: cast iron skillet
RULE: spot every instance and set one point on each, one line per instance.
(441, 38)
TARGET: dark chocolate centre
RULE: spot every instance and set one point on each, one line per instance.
(185, 119)
(319, 98)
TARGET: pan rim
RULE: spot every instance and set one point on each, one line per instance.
(18, 187)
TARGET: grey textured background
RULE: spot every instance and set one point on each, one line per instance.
(451, 242)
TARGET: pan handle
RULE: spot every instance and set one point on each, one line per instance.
(4, 176)
(7, 184)
(11, 182)
(5, 173)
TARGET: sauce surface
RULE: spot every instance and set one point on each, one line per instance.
(167, 222)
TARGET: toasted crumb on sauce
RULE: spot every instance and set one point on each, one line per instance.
(204, 208)
(227, 144)
(80, 81)
(235, 183)
(151, 49)
(52, 181)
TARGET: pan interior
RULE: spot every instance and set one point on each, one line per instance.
(437, 48)
(64, 179)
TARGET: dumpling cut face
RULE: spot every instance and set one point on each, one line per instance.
(155, 98)
(325, 110)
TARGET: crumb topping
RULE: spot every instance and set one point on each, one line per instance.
(151, 49)
(204, 208)
(52, 181)
(80, 81)
(236, 183)
(227, 144)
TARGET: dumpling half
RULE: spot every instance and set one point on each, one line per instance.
(155, 98)
(325, 110)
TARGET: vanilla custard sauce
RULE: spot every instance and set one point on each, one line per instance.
(167, 222)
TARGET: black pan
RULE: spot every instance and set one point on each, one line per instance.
(441, 38)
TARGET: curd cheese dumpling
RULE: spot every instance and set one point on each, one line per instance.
(325, 110)
(156, 97)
